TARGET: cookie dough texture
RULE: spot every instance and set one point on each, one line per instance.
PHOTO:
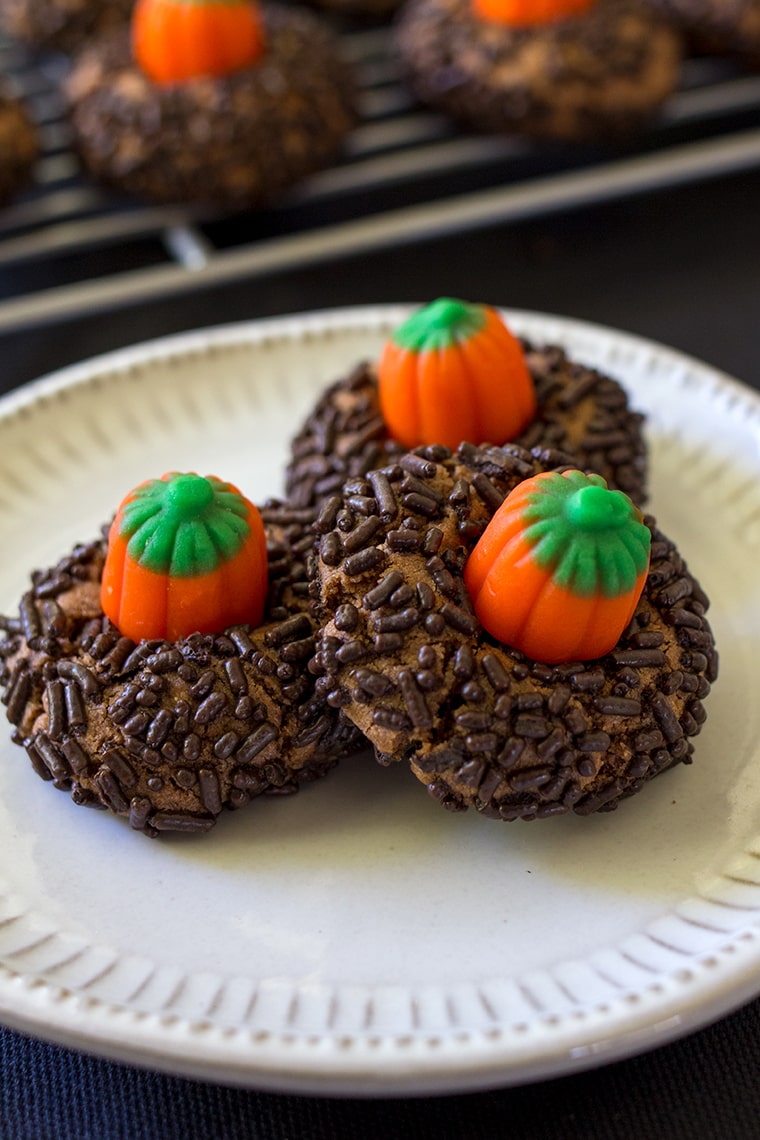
(580, 411)
(168, 734)
(600, 74)
(63, 25)
(407, 660)
(19, 146)
(236, 141)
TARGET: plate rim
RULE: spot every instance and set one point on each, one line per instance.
(256, 330)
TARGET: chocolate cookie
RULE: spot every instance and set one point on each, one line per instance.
(65, 25)
(19, 146)
(235, 141)
(601, 73)
(481, 725)
(725, 27)
(167, 734)
(580, 411)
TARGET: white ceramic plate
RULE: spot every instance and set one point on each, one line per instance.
(356, 938)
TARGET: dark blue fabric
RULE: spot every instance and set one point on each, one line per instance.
(704, 1087)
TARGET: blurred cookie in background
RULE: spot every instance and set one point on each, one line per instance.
(555, 69)
(225, 104)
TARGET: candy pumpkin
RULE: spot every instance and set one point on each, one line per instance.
(186, 553)
(177, 40)
(524, 13)
(453, 371)
(560, 568)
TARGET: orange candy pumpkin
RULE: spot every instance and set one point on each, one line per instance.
(452, 372)
(186, 554)
(525, 13)
(177, 40)
(560, 568)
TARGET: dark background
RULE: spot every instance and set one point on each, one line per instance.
(679, 266)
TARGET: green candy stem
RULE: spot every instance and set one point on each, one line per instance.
(596, 509)
(591, 539)
(440, 325)
(188, 495)
(184, 525)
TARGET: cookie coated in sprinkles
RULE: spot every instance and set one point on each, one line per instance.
(237, 141)
(597, 75)
(168, 734)
(405, 657)
(580, 411)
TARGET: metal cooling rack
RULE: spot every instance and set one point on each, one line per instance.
(69, 248)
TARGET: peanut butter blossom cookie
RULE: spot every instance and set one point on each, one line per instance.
(217, 101)
(162, 674)
(521, 635)
(561, 69)
(453, 371)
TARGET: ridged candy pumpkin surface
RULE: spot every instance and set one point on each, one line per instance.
(174, 41)
(560, 568)
(186, 553)
(526, 13)
(454, 372)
